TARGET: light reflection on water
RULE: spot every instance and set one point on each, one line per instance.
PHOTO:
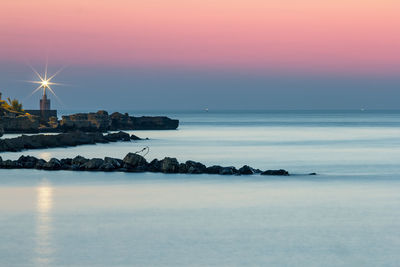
(44, 206)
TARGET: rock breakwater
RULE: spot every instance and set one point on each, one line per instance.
(132, 162)
(41, 141)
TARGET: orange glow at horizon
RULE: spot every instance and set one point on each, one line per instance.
(311, 35)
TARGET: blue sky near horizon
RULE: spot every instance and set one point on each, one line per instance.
(185, 89)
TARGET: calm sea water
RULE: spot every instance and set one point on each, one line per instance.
(348, 215)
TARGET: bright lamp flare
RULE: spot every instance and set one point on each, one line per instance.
(45, 82)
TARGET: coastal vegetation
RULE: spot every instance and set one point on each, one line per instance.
(11, 106)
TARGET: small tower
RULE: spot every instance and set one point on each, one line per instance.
(44, 102)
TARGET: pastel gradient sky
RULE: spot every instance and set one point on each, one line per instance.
(266, 38)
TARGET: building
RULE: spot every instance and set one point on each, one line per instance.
(45, 111)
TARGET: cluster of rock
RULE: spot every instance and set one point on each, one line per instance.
(19, 124)
(41, 141)
(99, 121)
(132, 162)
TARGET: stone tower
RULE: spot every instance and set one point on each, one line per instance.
(44, 102)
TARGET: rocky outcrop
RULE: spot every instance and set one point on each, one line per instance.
(131, 163)
(41, 141)
(87, 122)
(20, 124)
(102, 122)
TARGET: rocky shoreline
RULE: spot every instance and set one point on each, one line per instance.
(42, 141)
(99, 121)
(132, 162)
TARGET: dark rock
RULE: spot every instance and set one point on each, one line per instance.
(75, 167)
(228, 171)
(134, 137)
(27, 162)
(10, 164)
(93, 164)
(53, 164)
(116, 163)
(40, 163)
(276, 172)
(195, 167)
(125, 122)
(107, 167)
(169, 165)
(183, 168)
(59, 140)
(120, 136)
(66, 161)
(154, 166)
(133, 160)
(246, 170)
(313, 173)
(79, 161)
(214, 169)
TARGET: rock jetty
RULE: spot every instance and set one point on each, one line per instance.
(41, 141)
(132, 162)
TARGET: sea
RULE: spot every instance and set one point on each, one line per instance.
(346, 215)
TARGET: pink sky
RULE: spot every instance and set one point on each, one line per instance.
(357, 36)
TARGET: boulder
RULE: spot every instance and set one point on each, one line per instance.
(53, 164)
(107, 167)
(183, 168)
(154, 166)
(93, 164)
(246, 170)
(10, 164)
(27, 162)
(215, 169)
(40, 163)
(169, 165)
(195, 167)
(116, 163)
(133, 160)
(79, 161)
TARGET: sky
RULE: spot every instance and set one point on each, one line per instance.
(192, 54)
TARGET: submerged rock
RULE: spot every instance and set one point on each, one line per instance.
(276, 172)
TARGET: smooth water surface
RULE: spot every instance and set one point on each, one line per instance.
(348, 215)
